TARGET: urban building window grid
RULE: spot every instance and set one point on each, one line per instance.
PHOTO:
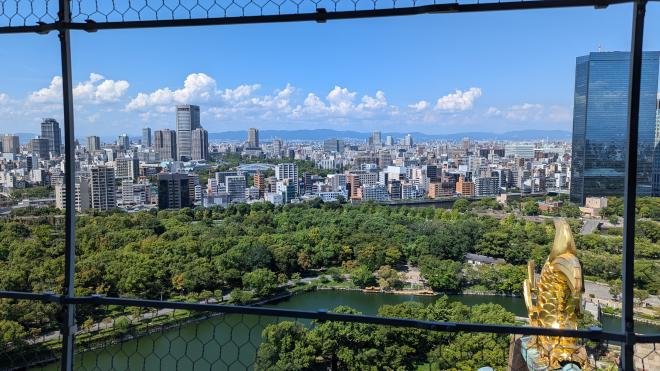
(601, 91)
(69, 300)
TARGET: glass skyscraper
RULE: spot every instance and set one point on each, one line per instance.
(187, 120)
(50, 129)
(146, 137)
(600, 120)
(656, 154)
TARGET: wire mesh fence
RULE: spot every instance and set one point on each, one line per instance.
(142, 338)
(16, 13)
(132, 337)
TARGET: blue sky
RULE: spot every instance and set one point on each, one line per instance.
(434, 73)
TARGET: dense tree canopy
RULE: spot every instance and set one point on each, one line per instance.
(255, 247)
(355, 346)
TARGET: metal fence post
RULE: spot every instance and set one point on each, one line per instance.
(69, 325)
(630, 188)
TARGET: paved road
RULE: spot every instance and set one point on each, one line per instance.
(151, 314)
(590, 225)
(600, 290)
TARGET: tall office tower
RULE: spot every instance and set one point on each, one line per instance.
(81, 194)
(93, 143)
(376, 138)
(466, 143)
(384, 159)
(187, 120)
(656, 152)
(123, 142)
(389, 140)
(173, 191)
(353, 185)
(253, 138)
(308, 183)
(165, 144)
(146, 137)
(277, 146)
(432, 172)
(260, 183)
(40, 147)
(102, 188)
(127, 168)
(200, 144)
(408, 140)
(10, 144)
(236, 187)
(286, 171)
(333, 145)
(50, 130)
(600, 120)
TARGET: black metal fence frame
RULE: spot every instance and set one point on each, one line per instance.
(68, 300)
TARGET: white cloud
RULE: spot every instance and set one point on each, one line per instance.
(560, 114)
(371, 103)
(4, 98)
(419, 106)
(279, 100)
(340, 103)
(313, 104)
(531, 112)
(198, 87)
(459, 100)
(240, 92)
(493, 111)
(51, 94)
(110, 90)
(93, 118)
(340, 100)
(524, 112)
(96, 89)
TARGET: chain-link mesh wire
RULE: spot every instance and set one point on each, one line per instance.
(132, 10)
(14, 13)
(27, 12)
(122, 338)
(28, 332)
(647, 356)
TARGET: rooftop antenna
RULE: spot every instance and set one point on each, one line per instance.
(600, 48)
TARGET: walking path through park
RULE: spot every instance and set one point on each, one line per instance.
(149, 314)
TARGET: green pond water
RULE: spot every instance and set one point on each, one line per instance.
(230, 342)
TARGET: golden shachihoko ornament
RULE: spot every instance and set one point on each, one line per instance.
(555, 299)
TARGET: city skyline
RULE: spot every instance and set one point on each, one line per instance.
(341, 83)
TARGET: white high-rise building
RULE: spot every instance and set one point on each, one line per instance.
(187, 120)
(286, 171)
(520, 150)
(123, 142)
(408, 140)
(200, 144)
(102, 188)
(93, 143)
(127, 168)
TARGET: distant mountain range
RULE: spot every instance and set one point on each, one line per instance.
(320, 134)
